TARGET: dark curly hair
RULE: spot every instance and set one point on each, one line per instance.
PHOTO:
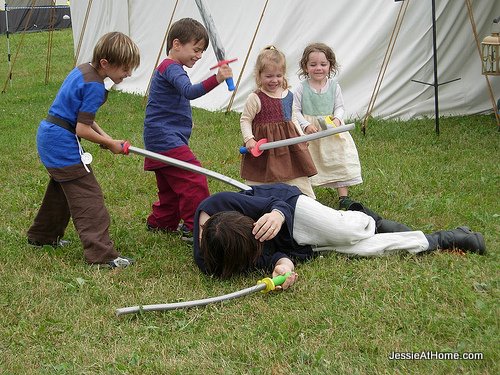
(318, 47)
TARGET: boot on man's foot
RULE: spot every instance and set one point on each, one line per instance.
(461, 238)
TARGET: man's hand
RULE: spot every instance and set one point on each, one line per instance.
(268, 226)
(283, 266)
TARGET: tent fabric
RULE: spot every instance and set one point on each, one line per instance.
(358, 31)
(16, 4)
(38, 19)
(30, 15)
(35, 3)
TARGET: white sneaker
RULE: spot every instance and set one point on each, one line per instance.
(120, 262)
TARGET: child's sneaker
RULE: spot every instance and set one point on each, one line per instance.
(121, 262)
(58, 243)
(186, 234)
(151, 228)
(345, 203)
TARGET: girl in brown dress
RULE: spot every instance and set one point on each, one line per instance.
(268, 114)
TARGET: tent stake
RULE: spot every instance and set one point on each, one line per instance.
(246, 59)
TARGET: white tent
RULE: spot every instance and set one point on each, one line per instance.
(358, 31)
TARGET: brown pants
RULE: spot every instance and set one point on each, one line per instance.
(83, 201)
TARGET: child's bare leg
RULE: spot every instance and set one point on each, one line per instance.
(343, 191)
(344, 200)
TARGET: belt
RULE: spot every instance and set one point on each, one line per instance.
(60, 122)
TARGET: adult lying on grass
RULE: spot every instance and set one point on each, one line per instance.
(272, 226)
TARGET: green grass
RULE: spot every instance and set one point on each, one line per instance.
(343, 316)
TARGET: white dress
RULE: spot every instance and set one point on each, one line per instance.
(335, 157)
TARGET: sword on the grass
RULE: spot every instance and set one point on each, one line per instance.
(220, 53)
(265, 285)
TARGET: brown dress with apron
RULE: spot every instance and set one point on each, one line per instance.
(274, 122)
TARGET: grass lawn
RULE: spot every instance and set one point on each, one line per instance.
(343, 316)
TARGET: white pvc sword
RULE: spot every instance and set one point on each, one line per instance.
(263, 144)
(184, 165)
(265, 285)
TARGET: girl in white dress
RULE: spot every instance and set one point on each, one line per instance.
(319, 95)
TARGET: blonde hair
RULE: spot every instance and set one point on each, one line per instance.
(118, 49)
(318, 47)
(270, 56)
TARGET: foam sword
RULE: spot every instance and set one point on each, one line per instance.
(213, 35)
(263, 144)
(127, 148)
(265, 285)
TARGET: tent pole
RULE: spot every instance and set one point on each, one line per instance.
(77, 53)
(246, 59)
(7, 33)
(9, 77)
(476, 38)
(49, 41)
(385, 62)
(159, 52)
(434, 59)
(435, 84)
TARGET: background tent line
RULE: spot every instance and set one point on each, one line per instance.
(49, 44)
(18, 10)
(11, 64)
(51, 14)
(476, 38)
(435, 83)
(385, 63)
(82, 32)
(233, 95)
(359, 38)
(160, 51)
(399, 22)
